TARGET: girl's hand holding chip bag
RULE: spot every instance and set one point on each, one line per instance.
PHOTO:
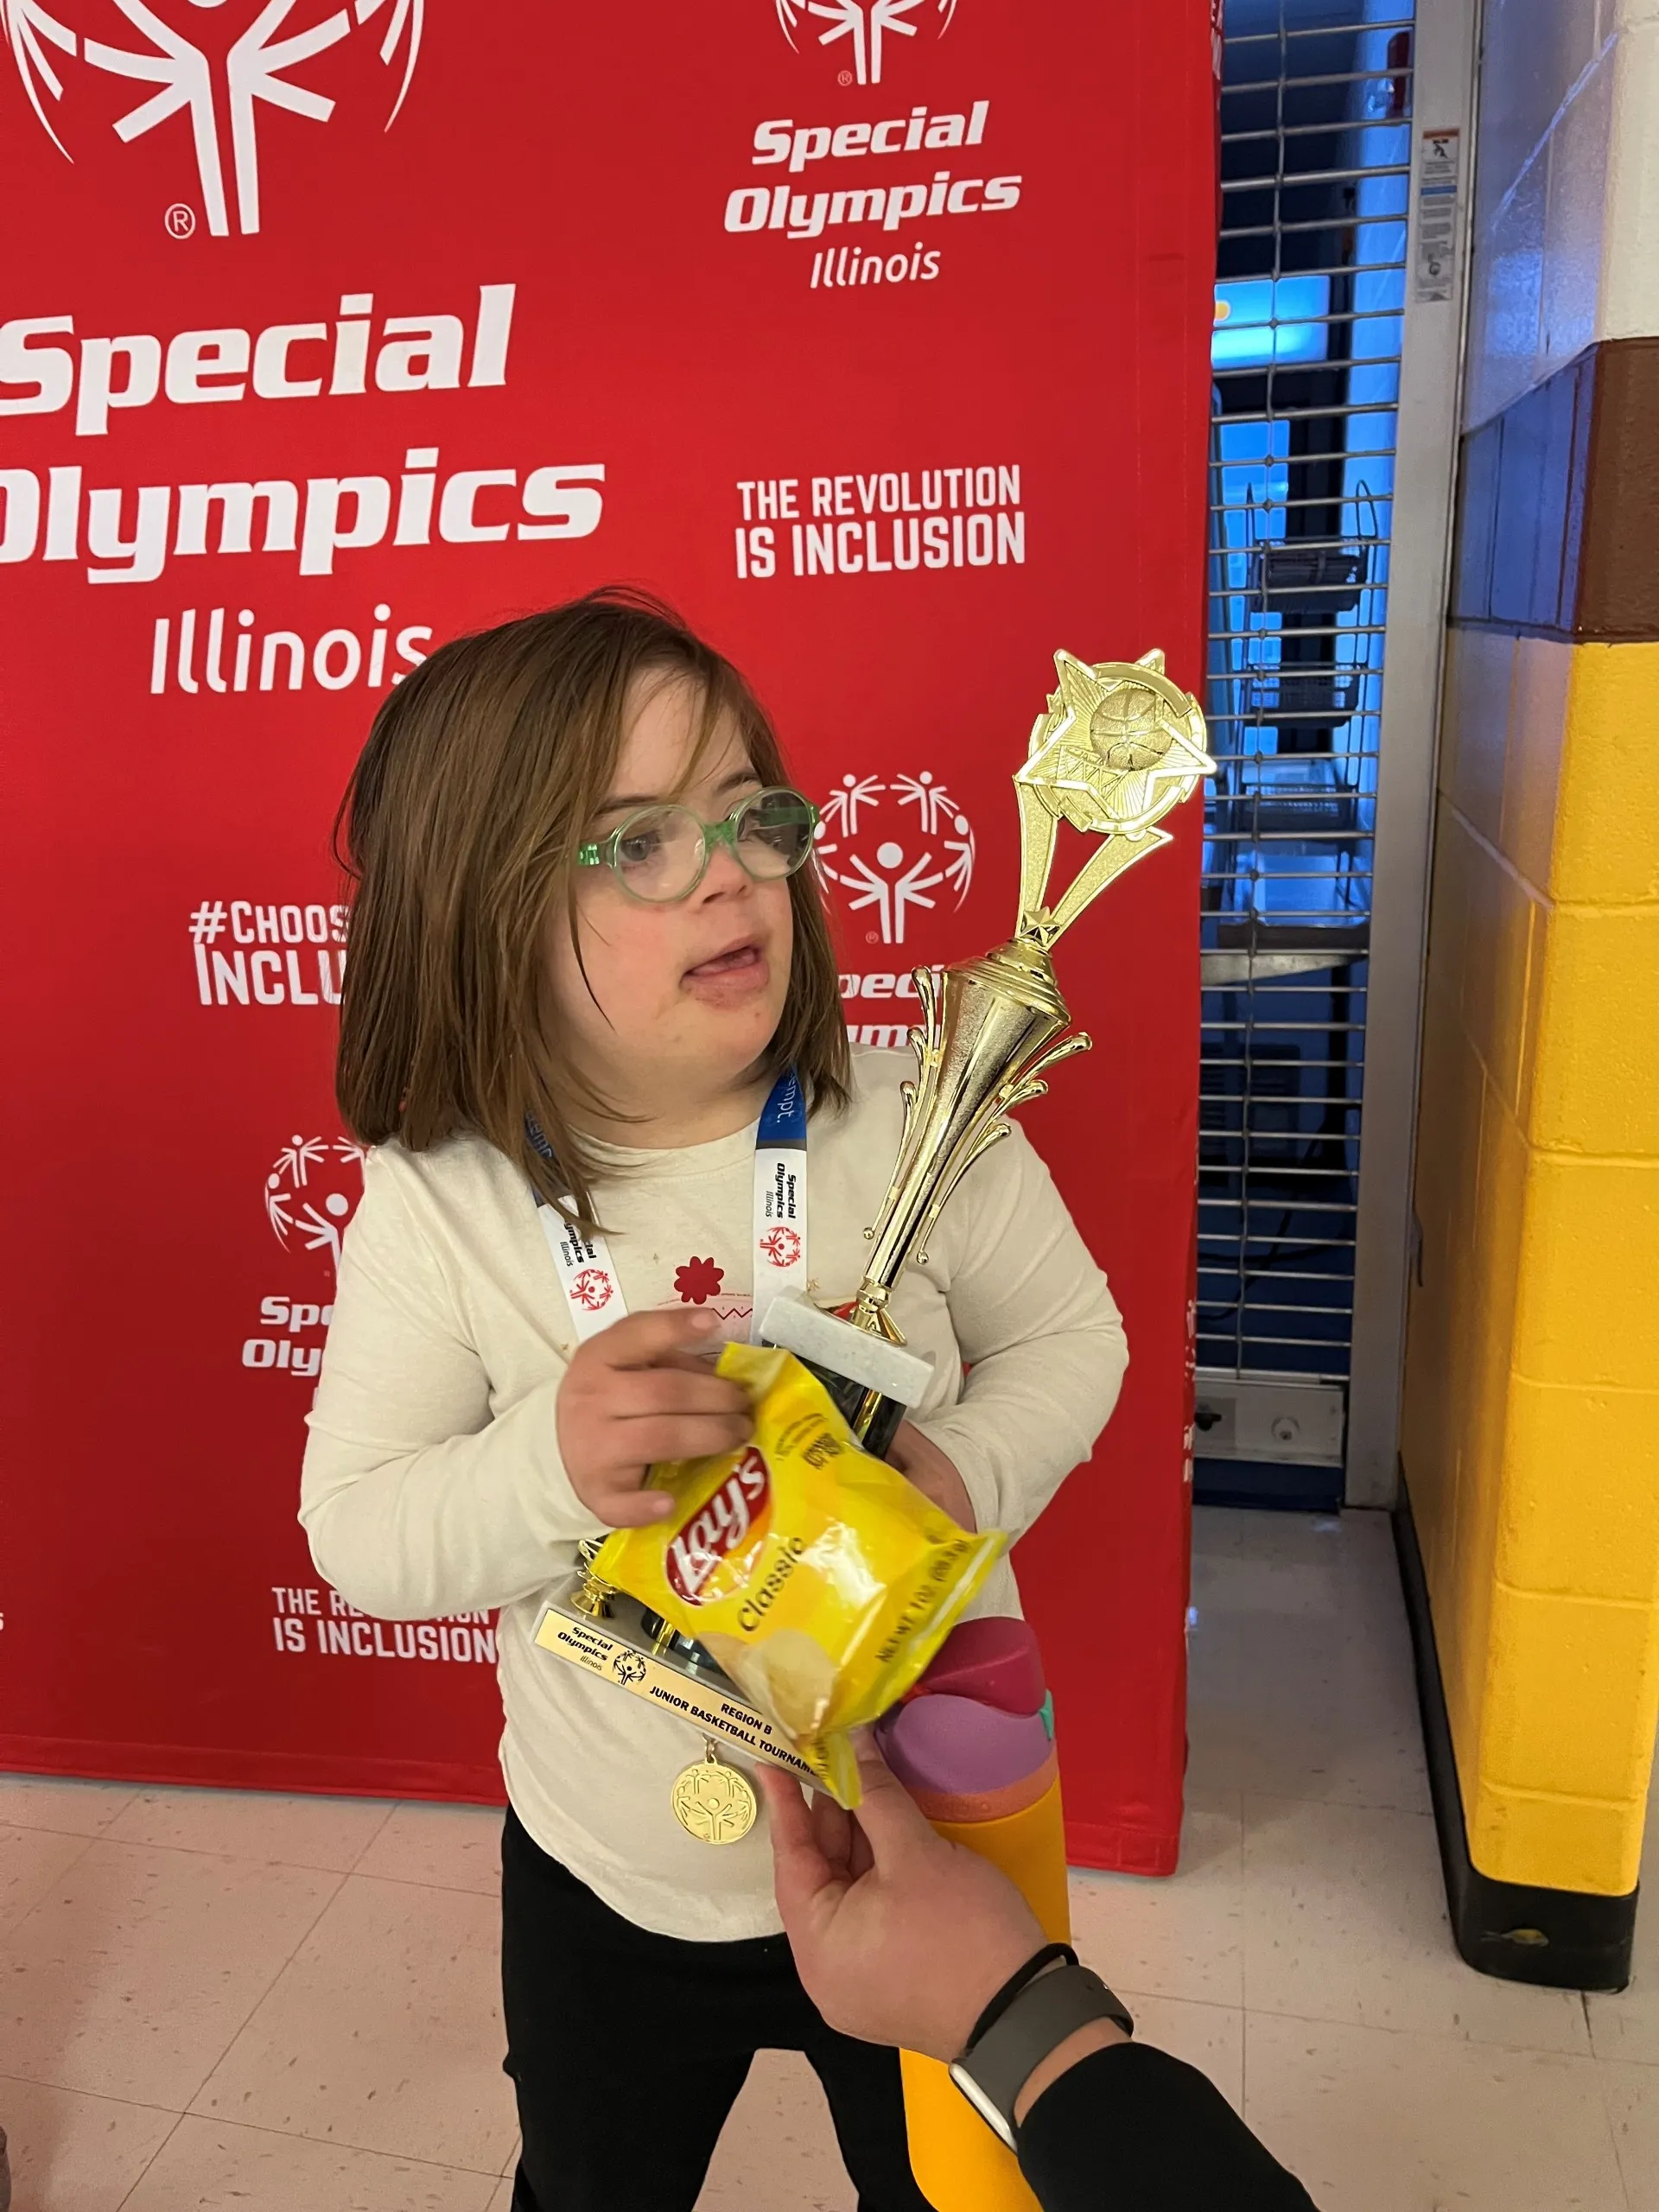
(636, 1393)
(816, 1575)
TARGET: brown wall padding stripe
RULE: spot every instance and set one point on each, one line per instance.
(1558, 506)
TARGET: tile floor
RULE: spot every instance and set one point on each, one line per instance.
(287, 2004)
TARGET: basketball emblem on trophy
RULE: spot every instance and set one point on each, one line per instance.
(1115, 751)
(1118, 746)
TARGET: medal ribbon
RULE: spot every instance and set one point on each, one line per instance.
(587, 1276)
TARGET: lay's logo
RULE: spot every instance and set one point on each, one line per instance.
(737, 1511)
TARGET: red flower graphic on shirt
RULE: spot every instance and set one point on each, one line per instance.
(698, 1280)
(782, 1246)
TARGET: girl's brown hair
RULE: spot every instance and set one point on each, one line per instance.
(482, 774)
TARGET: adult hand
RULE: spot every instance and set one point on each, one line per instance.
(934, 1474)
(637, 1393)
(899, 1937)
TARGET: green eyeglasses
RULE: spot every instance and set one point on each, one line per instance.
(661, 853)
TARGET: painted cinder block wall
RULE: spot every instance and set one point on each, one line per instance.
(1531, 1439)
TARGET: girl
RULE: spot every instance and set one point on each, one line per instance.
(584, 946)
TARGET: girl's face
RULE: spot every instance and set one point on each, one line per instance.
(679, 1000)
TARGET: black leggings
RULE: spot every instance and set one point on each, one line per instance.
(628, 2050)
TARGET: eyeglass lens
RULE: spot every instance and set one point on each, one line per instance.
(660, 850)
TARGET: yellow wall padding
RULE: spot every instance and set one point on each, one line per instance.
(1531, 1426)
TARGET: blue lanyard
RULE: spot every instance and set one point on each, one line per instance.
(587, 1274)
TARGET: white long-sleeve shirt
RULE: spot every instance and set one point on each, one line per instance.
(433, 1482)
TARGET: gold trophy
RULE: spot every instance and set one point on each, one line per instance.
(1117, 747)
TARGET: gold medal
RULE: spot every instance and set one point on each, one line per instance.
(714, 1801)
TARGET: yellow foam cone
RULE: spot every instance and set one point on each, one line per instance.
(959, 2165)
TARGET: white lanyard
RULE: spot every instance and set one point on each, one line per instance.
(593, 1289)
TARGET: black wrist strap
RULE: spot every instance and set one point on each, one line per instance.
(1039, 1962)
(1033, 2014)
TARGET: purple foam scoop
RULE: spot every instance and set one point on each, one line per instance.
(956, 1746)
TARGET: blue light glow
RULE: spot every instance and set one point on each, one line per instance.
(1263, 319)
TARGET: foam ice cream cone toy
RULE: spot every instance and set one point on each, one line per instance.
(972, 1744)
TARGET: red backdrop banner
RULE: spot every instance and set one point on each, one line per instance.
(872, 333)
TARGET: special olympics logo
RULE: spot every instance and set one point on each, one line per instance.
(217, 87)
(591, 1290)
(312, 1192)
(863, 24)
(781, 1247)
(888, 876)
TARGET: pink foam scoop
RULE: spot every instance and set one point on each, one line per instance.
(952, 1745)
(995, 1660)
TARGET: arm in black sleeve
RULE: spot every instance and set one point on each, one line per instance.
(1130, 2129)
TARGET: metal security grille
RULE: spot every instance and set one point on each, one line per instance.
(1316, 103)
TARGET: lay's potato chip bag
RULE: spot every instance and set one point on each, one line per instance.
(818, 1578)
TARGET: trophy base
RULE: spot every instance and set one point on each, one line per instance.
(631, 1648)
(873, 1380)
